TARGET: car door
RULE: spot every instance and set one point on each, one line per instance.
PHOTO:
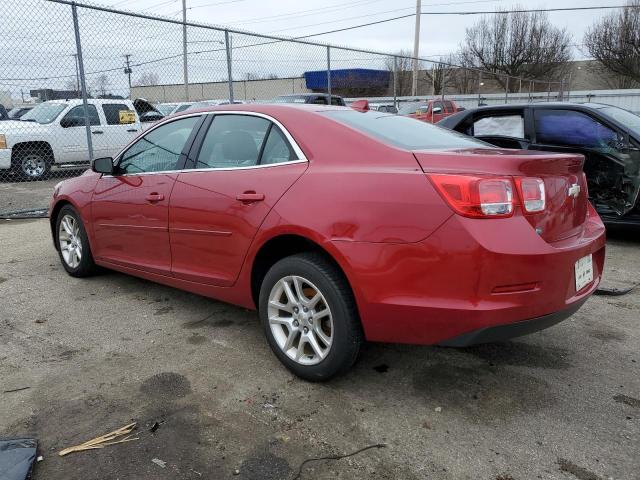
(130, 208)
(120, 126)
(607, 154)
(74, 146)
(243, 164)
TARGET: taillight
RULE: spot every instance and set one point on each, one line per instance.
(476, 196)
(532, 194)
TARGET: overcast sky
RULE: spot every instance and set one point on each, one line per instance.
(440, 35)
(37, 39)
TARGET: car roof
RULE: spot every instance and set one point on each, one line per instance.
(306, 95)
(539, 105)
(264, 108)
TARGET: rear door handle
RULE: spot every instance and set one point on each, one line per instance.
(96, 132)
(132, 130)
(250, 197)
(155, 197)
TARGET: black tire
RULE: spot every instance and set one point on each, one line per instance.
(86, 266)
(346, 331)
(32, 163)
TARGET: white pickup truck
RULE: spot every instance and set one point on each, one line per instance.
(54, 133)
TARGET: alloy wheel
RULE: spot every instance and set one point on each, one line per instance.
(70, 241)
(300, 320)
(33, 165)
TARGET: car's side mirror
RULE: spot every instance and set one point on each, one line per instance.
(102, 165)
(437, 110)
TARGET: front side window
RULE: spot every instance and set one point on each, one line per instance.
(402, 132)
(76, 118)
(160, 149)
(112, 112)
(233, 141)
(500, 125)
(572, 128)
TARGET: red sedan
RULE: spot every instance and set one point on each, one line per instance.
(340, 226)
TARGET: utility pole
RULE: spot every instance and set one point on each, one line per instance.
(184, 50)
(127, 70)
(416, 49)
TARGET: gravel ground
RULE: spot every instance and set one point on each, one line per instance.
(99, 353)
(16, 196)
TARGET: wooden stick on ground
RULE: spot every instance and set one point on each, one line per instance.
(103, 440)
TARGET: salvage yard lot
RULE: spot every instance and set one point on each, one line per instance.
(99, 353)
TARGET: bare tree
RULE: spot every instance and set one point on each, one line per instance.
(145, 79)
(404, 68)
(71, 85)
(441, 75)
(519, 44)
(614, 42)
(101, 84)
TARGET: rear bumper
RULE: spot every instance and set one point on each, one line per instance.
(510, 330)
(470, 276)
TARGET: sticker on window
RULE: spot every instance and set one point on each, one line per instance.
(127, 116)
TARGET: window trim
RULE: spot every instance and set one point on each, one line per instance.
(302, 158)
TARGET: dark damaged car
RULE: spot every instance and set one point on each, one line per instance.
(607, 136)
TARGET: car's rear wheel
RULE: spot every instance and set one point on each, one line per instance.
(32, 163)
(73, 244)
(309, 316)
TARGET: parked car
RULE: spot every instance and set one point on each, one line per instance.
(54, 133)
(431, 111)
(212, 103)
(315, 98)
(338, 226)
(167, 109)
(17, 112)
(608, 137)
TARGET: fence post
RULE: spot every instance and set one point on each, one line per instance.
(185, 68)
(83, 84)
(329, 72)
(395, 81)
(227, 46)
(549, 91)
(506, 90)
(479, 85)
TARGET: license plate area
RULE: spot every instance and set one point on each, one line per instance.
(584, 272)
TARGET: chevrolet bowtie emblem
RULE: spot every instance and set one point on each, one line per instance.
(574, 190)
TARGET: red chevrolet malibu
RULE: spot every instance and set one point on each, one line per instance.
(340, 226)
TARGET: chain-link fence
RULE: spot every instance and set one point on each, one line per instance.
(74, 76)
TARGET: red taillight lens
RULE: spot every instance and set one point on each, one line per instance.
(532, 194)
(475, 196)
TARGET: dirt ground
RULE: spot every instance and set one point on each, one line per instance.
(96, 354)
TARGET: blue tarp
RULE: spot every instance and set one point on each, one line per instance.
(348, 78)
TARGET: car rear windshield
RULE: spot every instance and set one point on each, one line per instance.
(409, 108)
(403, 132)
(290, 99)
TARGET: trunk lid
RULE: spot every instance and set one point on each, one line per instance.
(564, 181)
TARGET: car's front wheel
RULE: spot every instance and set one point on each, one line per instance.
(309, 316)
(32, 163)
(73, 244)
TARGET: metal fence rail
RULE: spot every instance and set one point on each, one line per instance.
(86, 63)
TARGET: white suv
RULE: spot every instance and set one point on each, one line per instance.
(54, 133)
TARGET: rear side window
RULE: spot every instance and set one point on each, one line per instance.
(500, 125)
(233, 141)
(567, 127)
(449, 106)
(112, 112)
(276, 149)
(403, 132)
